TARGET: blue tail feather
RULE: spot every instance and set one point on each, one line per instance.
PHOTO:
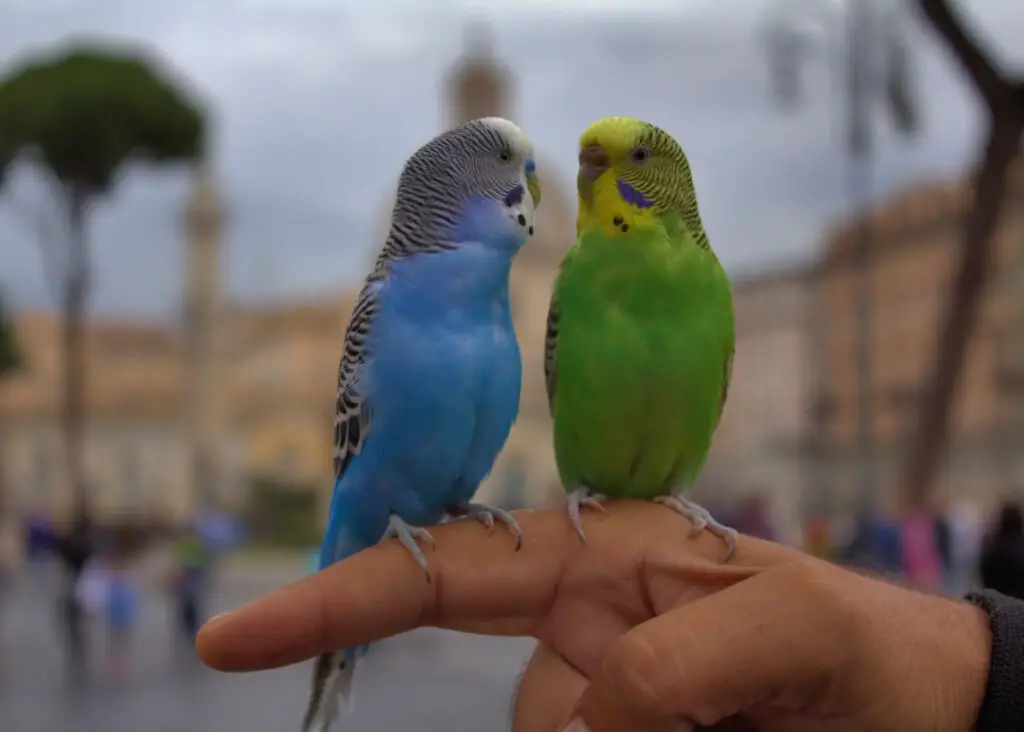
(357, 519)
(329, 545)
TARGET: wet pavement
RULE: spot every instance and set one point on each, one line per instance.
(432, 681)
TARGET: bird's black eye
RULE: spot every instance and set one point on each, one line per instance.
(639, 155)
(504, 156)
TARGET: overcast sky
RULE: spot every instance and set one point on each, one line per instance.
(318, 102)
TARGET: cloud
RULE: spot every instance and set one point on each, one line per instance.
(317, 104)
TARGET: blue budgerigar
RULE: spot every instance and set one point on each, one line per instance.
(430, 374)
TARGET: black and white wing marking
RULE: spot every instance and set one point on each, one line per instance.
(551, 353)
(352, 415)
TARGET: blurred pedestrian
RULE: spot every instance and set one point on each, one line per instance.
(1002, 554)
(943, 542)
(39, 546)
(10, 559)
(120, 613)
(967, 529)
(74, 548)
(754, 517)
(312, 561)
(189, 579)
(818, 538)
(922, 565)
(875, 544)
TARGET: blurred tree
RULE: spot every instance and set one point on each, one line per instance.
(81, 116)
(1002, 97)
(11, 360)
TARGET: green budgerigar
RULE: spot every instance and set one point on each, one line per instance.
(640, 330)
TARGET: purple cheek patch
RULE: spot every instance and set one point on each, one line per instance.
(632, 196)
(514, 197)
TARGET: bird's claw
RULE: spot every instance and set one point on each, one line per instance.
(577, 499)
(702, 520)
(407, 535)
(486, 515)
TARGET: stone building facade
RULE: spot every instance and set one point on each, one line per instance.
(758, 449)
(915, 251)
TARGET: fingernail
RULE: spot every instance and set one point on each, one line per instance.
(217, 619)
(577, 725)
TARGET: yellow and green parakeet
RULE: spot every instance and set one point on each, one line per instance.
(640, 333)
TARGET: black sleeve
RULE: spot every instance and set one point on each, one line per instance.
(1002, 709)
(985, 574)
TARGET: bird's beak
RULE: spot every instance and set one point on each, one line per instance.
(593, 163)
(533, 186)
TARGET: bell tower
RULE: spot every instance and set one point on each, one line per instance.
(477, 85)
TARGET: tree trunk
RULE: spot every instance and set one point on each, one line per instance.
(75, 297)
(5, 500)
(961, 314)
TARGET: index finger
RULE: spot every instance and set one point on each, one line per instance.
(480, 584)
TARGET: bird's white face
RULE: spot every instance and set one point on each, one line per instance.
(522, 146)
(524, 211)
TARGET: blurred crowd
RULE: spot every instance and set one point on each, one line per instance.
(100, 576)
(952, 550)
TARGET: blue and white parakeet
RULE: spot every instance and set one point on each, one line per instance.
(430, 374)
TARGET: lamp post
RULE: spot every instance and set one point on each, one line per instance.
(868, 39)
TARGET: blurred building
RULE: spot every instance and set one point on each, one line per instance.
(917, 237)
(238, 393)
(136, 459)
(758, 446)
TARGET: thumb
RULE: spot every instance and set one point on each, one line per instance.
(777, 636)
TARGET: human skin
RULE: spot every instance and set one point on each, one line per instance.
(643, 628)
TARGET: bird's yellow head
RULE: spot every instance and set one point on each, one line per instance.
(633, 175)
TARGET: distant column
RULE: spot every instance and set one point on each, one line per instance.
(477, 85)
(203, 224)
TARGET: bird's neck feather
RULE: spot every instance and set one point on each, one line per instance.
(469, 276)
(603, 206)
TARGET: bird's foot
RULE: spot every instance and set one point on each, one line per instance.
(398, 529)
(486, 515)
(702, 520)
(576, 500)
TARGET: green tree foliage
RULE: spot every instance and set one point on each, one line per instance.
(82, 115)
(85, 113)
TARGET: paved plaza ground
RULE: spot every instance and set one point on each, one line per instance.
(428, 680)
